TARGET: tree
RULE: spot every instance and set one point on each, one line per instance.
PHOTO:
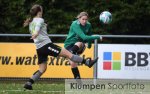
(130, 17)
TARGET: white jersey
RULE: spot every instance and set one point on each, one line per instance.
(38, 26)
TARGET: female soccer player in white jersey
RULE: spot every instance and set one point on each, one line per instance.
(44, 45)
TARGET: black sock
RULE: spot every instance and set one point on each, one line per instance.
(76, 73)
(31, 81)
(74, 49)
(83, 61)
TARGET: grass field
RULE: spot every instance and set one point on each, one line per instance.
(58, 87)
(41, 87)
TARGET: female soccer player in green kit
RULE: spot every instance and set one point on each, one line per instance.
(79, 34)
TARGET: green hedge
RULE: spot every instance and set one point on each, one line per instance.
(130, 17)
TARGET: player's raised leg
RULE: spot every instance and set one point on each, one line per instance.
(88, 61)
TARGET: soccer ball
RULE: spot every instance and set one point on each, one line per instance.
(105, 17)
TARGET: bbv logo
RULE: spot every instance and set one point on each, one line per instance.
(139, 59)
(114, 60)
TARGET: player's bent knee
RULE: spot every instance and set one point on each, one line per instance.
(79, 44)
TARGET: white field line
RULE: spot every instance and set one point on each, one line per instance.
(32, 91)
(46, 91)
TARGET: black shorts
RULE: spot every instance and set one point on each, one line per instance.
(69, 48)
(48, 49)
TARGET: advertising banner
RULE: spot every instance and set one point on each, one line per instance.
(20, 60)
(123, 61)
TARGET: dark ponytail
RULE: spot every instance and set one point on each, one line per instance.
(33, 12)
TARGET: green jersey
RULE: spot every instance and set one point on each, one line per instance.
(79, 33)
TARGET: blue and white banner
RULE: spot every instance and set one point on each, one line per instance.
(123, 61)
